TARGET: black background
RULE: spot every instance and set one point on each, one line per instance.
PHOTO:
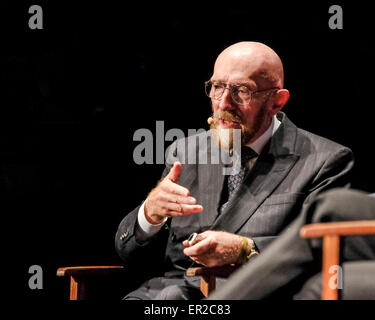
(73, 94)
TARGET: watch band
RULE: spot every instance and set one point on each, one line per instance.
(247, 251)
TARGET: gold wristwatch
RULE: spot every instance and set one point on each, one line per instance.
(247, 251)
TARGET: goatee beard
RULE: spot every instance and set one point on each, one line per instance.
(224, 136)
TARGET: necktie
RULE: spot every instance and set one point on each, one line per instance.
(235, 180)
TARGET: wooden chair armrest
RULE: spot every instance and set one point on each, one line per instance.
(223, 272)
(345, 228)
(88, 271)
(79, 278)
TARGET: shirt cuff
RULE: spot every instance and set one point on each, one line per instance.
(147, 229)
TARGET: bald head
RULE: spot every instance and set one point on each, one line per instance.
(252, 61)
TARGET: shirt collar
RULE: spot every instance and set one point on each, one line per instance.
(259, 143)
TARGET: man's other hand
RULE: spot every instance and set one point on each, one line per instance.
(214, 248)
(169, 199)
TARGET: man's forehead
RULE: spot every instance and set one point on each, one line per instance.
(234, 77)
(241, 67)
(237, 81)
(255, 73)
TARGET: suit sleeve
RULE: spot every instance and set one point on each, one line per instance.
(138, 255)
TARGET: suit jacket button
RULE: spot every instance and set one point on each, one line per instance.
(124, 235)
(173, 237)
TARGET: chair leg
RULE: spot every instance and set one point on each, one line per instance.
(208, 284)
(331, 249)
(78, 288)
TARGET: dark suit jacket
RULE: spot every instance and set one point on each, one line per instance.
(294, 166)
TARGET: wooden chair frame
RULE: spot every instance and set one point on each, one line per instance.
(209, 275)
(330, 232)
(79, 277)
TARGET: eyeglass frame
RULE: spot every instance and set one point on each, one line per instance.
(231, 85)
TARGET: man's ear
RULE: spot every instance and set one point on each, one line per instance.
(280, 99)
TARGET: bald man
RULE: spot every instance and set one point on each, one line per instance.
(236, 216)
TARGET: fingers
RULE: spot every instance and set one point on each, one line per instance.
(199, 248)
(206, 251)
(171, 197)
(174, 173)
(179, 209)
(188, 243)
(174, 188)
(170, 184)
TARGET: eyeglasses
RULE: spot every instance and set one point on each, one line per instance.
(239, 93)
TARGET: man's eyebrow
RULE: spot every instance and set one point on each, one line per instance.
(242, 83)
(248, 84)
(238, 83)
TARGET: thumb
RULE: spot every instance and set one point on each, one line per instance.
(175, 172)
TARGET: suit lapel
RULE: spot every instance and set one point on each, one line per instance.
(269, 171)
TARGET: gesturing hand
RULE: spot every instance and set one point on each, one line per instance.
(168, 199)
(214, 248)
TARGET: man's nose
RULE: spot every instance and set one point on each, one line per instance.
(226, 101)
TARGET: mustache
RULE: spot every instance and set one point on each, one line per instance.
(226, 116)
